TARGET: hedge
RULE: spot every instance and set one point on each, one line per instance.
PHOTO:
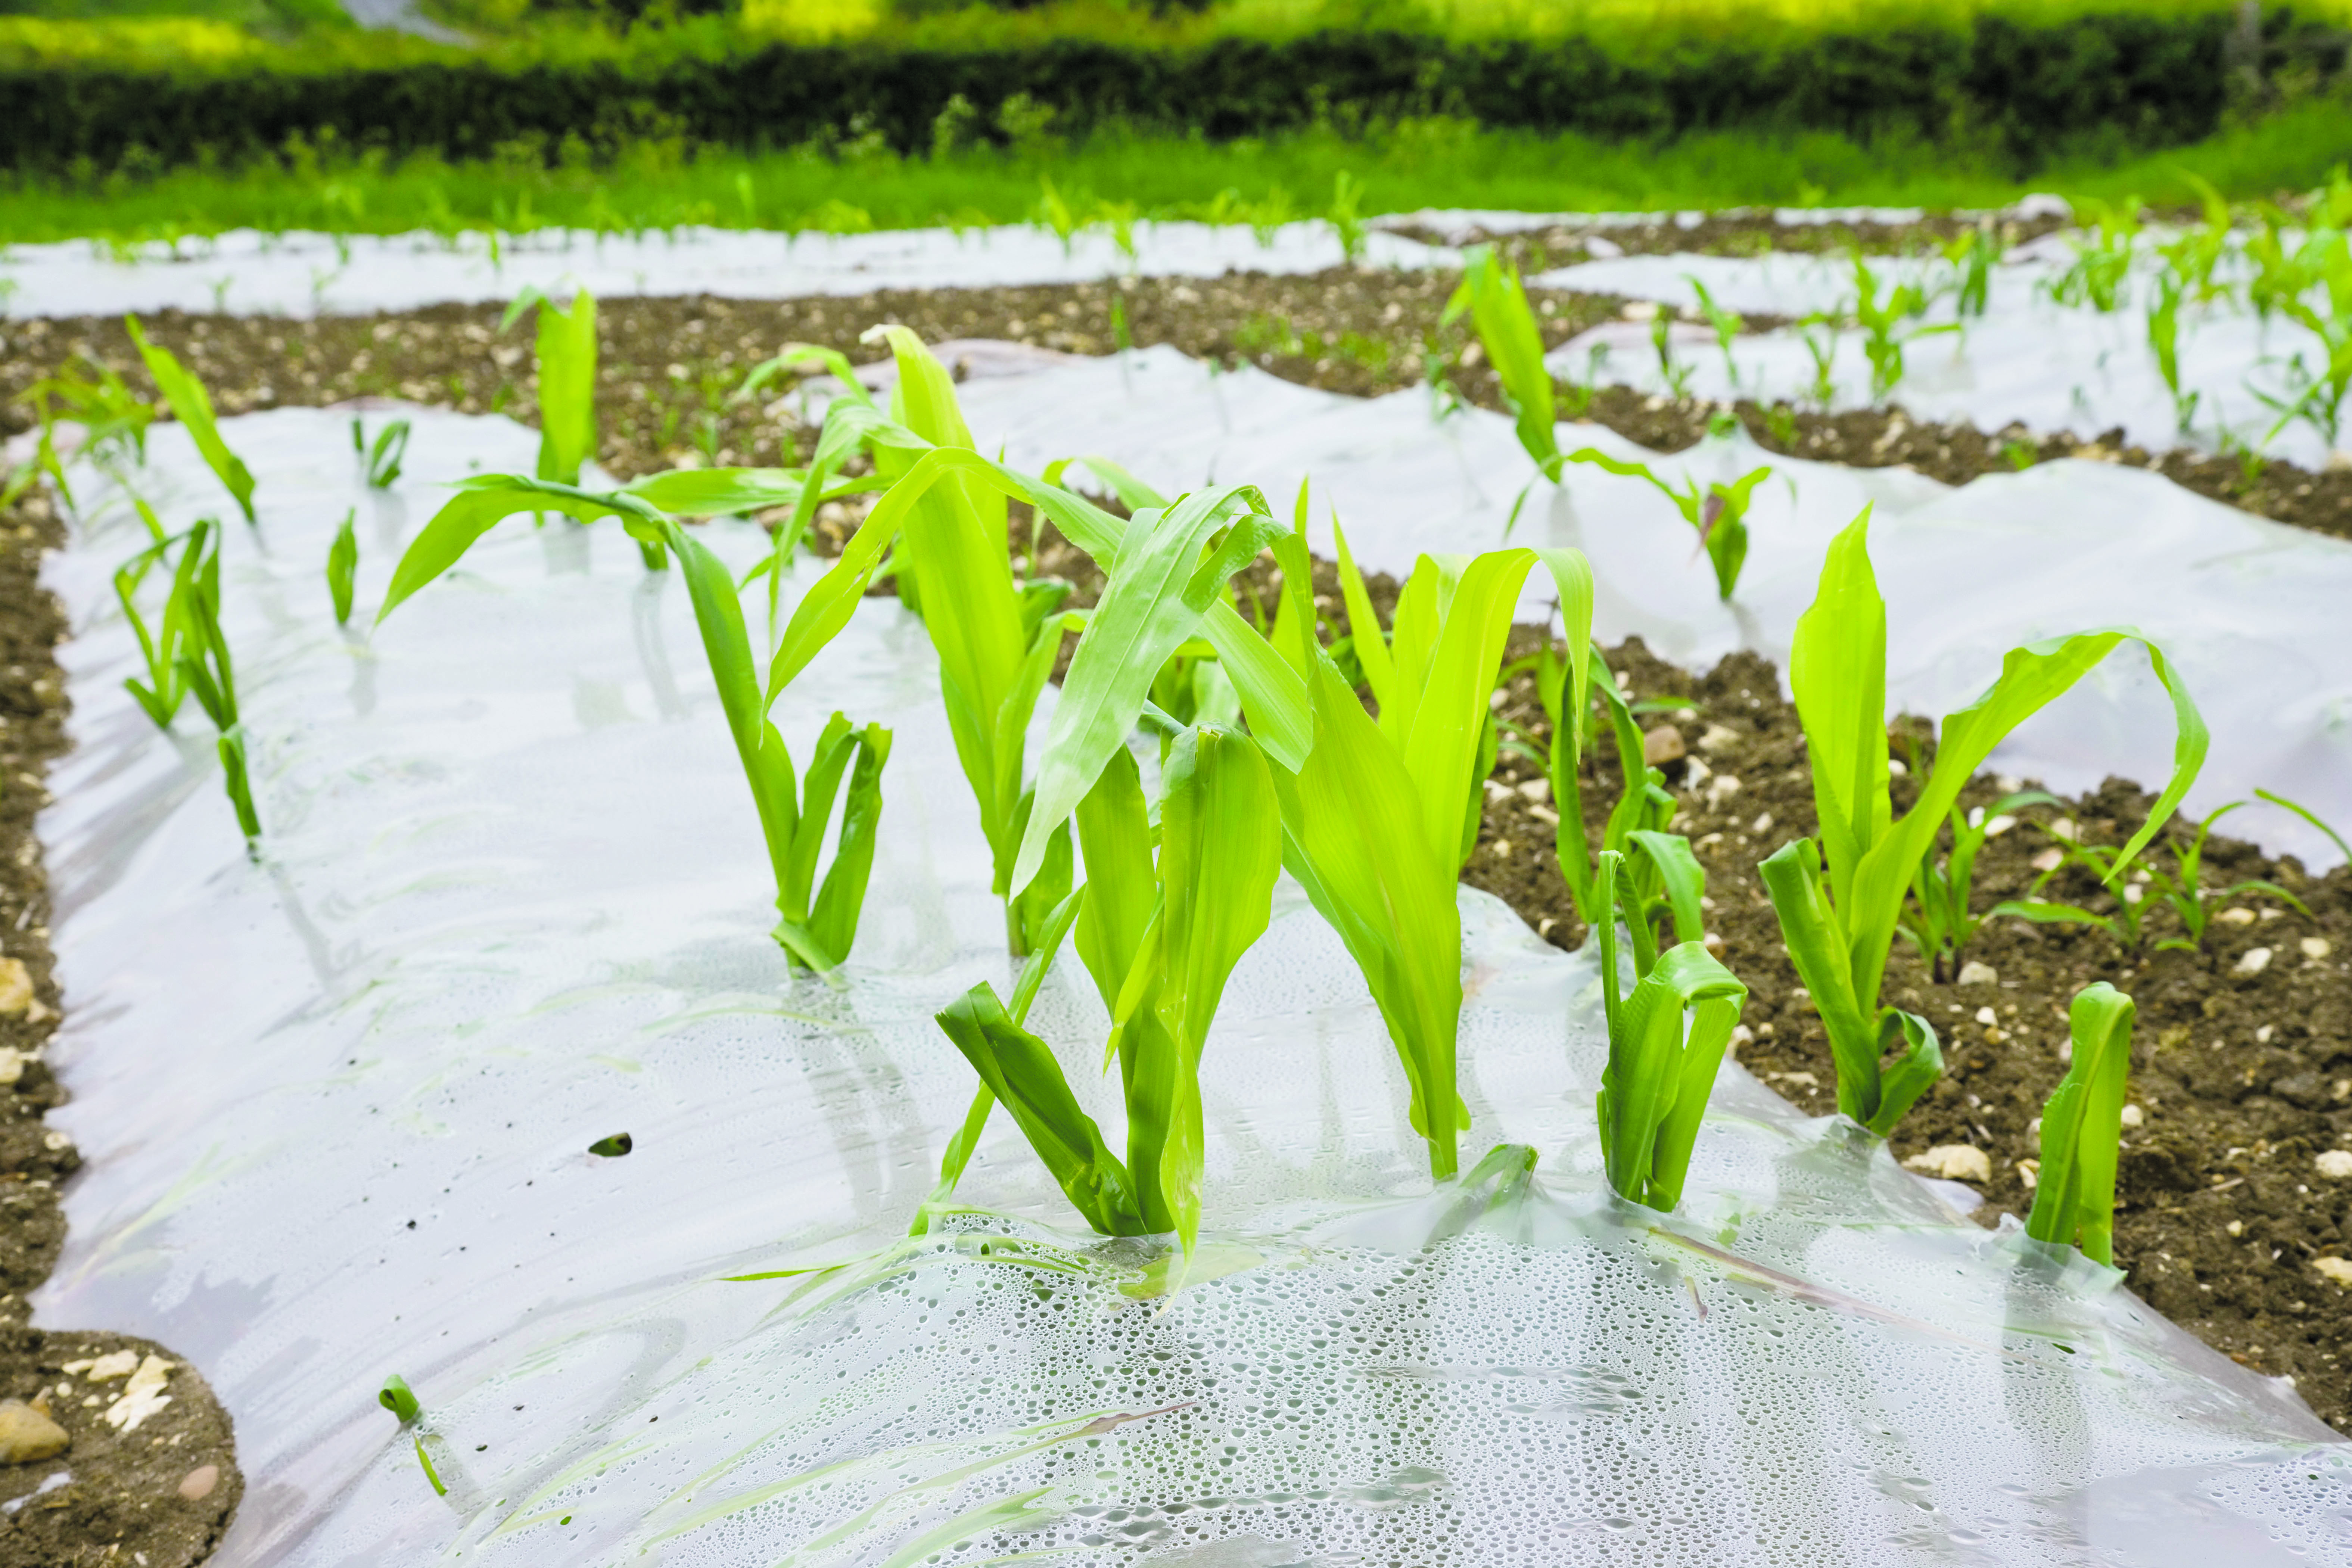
(2024, 90)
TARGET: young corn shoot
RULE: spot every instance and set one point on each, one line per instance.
(343, 567)
(193, 408)
(567, 381)
(187, 654)
(1378, 818)
(383, 462)
(1491, 292)
(1884, 336)
(1939, 918)
(2133, 878)
(1569, 688)
(1839, 901)
(1161, 935)
(815, 924)
(1667, 1040)
(2082, 1129)
(1718, 512)
(113, 418)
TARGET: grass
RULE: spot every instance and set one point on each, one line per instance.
(1440, 163)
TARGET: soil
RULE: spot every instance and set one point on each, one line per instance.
(670, 367)
(125, 1496)
(2242, 1067)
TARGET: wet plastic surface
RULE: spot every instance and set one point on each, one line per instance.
(336, 1103)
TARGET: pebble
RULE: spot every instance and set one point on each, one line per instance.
(2049, 859)
(1717, 738)
(142, 1396)
(2134, 1116)
(1985, 1015)
(1537, 791)
(2336, 1270)
(1663, 745)
(2254, 960)
(198, 1483)
(1953, 1163)
(16, 987)
(27, 1435)
(1722, 786)
(2315, 948)
(2335, 1164)
(2236, 917)
(1973, 972)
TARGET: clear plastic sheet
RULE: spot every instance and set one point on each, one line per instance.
(303, 274)
(2027, 359)
(335, 1103)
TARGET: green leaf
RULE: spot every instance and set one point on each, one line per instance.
(1162, 582)
(1792, 880)
(186, 396)
(485, 500)
(2082, 1128)
(567, 382)
(717, 492)
(1914, 1073)
(1654, 1092)
(1021, 1071)
(343, 567)
(1497, 304)
(1837, 669)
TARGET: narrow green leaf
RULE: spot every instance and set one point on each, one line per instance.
(2082, 1127)
(194, 409)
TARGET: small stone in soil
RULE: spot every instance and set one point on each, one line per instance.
(1973, 972)
(27, 1435)
(2254, 960)
(1663, 745)
(1953, 1163)
(16, 987)
(198, 1483)
(2335, 1164)
(2338, 1269)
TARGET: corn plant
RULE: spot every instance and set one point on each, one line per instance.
(2133, 878)
(1667, 1040)
(1819, 334)
(2102, 261)
(1346, 216)
(2164, 342)
(1161, 936)
(1939, 917)
(1727, 325)
(1378, 817)
(1972, 253)
(1716, 511)
(1839, 920)
(1496, 302)
(2082, 1129)
(2317, 396)
(193, 408)
(815, 924)
(2193, 258)
(113, 418)
(343, 567)
(383, 462)
(567, 381)
(1884, 337)
(187, 654)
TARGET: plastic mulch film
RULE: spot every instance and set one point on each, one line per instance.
(336, 1101)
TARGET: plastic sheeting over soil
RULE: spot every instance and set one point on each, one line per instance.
(2026, 359)
(246, 272)
(335, 1101)
(2253, 611)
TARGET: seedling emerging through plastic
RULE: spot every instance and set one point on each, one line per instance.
(2082, 1129)
(816, 929)
(567, 382)
(1718, 512)
(1378, 820)
(1840, 926)
(186, 396)
(383, 462)
(1883, 336)
(343, 567)
(1160, 940)
(1660, 1073)
(397, 1397)
(187, 656)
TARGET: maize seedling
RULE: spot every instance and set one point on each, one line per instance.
(1838, 928)
(193, 408)
(1379, 816)
(1939, 918)
(382, 463)
(2082, 1129)
(1160, 940)
(566, 351)
(2102, 262)
(1884, 339)
(343, 567)
(113, 418)
(1659, 1073)
(1718, 512)
(815, 930)
(187, 654)
(2164, 342)
(2132, 878)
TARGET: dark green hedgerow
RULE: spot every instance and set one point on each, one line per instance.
(2019, 91)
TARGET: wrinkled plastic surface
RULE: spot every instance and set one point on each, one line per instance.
(246, 272)
(2251, 610)
(2027, 359)
(336, 1101)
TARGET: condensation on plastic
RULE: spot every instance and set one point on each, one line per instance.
(2026, 359)
(2251, 611)
(335, 1103)
(246, 272)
